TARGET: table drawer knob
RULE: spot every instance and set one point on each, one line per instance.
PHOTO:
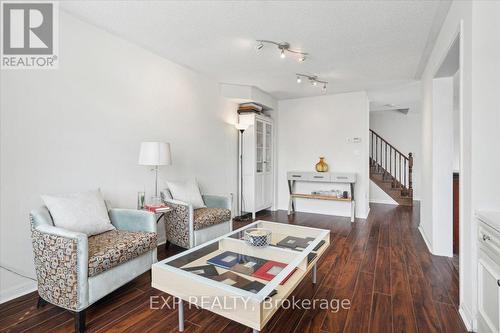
(296, 176)
(486, 238)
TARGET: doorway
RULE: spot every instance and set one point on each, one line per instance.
(447, 132)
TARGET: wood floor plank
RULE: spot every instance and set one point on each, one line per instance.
(450, 320)
(358, 317)
(312, 320)
(381, 313)
(402, 303)
(383, 271)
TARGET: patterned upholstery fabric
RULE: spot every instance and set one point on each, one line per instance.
(56, 268)
(114, 247)
(177, 225)
(206, 217)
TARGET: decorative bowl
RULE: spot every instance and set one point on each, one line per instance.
(258, 237)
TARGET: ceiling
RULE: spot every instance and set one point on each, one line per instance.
(355, 45)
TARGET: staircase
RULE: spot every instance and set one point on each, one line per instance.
(391, 170)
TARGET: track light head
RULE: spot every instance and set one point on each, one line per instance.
(282, 55)
(299, 79)
(302, 58)
(259, 46)
(324, 88)
(314, 83)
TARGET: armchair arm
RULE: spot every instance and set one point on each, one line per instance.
(132, 220)
(61, 264)
(179, 225)
(217, 201)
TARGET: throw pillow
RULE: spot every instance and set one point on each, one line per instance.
(80, 212)
(187, 191)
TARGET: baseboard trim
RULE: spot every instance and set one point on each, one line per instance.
(422, 232)
(466, 316)
(18, 291)
(384, 202)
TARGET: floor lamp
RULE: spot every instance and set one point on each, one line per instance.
(241, 128)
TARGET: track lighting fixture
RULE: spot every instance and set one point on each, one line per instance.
(313, 79)
(283, 47)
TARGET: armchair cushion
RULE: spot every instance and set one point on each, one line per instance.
(206, 217)
(83, 212)
(186, 191)
(114, 247)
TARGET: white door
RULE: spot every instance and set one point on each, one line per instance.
(488, 294)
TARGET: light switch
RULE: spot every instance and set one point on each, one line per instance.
(354, 140)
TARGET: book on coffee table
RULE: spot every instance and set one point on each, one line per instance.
(225, 260)
(270, 269)
(248, 265)
(205, 270)
(256, 286)
(231, 279)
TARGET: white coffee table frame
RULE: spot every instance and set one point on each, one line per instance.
(248, 308)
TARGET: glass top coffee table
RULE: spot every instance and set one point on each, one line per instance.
(239, 281)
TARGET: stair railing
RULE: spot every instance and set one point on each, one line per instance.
(393, 164)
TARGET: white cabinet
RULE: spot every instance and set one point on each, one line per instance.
(488, 276)
(258, 163)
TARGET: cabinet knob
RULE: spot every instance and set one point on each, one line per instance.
(486, 238)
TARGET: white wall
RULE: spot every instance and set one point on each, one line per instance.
(460, 14)
(320, 126)
(79, 128)
(404, 132)
(456, 122)
(442, 149)
(486, 106)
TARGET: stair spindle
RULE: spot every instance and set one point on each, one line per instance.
(399, 170)
(405, 174)
(385, 158)
(390, 160)
(410, 177)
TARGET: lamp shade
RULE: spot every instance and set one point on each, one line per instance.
(155, 153)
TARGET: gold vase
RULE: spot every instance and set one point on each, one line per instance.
(321, 166)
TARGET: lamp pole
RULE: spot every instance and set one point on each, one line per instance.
(241, 129)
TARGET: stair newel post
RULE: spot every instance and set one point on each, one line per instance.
(410, 178)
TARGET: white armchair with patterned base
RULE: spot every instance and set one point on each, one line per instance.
(74, 270)
(188, 227)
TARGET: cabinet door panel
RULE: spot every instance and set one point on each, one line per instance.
(489, 296)
(269, 147)
(260, 152)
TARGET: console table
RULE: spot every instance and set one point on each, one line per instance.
(320, 177)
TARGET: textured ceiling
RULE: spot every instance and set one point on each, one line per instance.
(355, 45)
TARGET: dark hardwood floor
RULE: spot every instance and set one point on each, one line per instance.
(382, 265)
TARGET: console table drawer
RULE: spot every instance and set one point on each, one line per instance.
(346, 178)
(309, 176)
